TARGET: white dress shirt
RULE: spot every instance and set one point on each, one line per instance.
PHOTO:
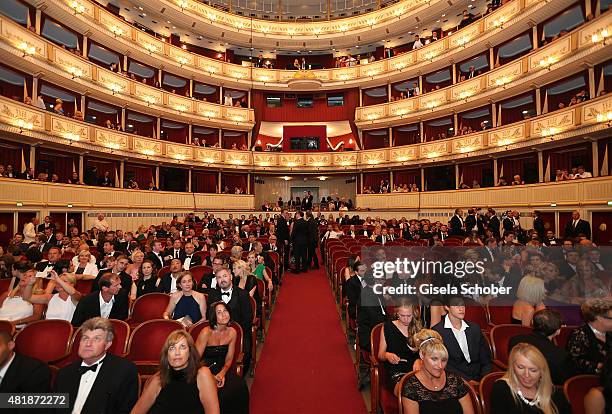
(85, 385)
(173, 282)
(105, 307)
(226, 298)
(460, 336)
(187, 262)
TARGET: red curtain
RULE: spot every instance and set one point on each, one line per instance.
(239, 139)
(348, 144)
(375, 139)
(432, 132)
(234, 181)
(211, 138)
(12, 153)
(178, 135)
(55, 162)
(566, 158)
(203, 182)
(474, 172)
(373, 179)
(407, 177)
(143, 175)
(526, 166)
(263, 141)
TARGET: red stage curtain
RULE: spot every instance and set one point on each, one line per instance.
(204, 181)
(142, 174)
(233, 181)
(346, 138)
(406, 177)
(373, 179)
(263, 141)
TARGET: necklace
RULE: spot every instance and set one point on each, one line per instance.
(531, 403)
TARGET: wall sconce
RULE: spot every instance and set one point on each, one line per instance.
(463, 41)
(114, 87)
(238, 75)
(371, 22)
(112, 145)
(502, 81)
(432, 105)
(547, 62)
(430, 56)
(179, 157)
(290, 31)
(211, 70)
(601, 36)
(212, 17)
(72, 136)
(24, 125)
(344, 28)
(344, 77)
(317, 31)
(77, 7)
(149, 99)
(182, 60)
(117, 31)
(465, 95)
(399, 66)
(549, 132)
(605, 118)
(209, 114)
(372, 117)
(26, 48)
(499, 23)
(181, 108)
(75, 72)
(182, 4)
(148, 152)
(150, 47)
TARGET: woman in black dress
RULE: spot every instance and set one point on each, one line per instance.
(397, 348)
(186, 305)
(181, 385)
(526, 388)
(432, 390)
(147, 279)
(217, 344)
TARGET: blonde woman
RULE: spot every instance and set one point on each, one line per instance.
(530, 299)
(14, 308)
(137, 259)
(433, 390)
(60, 305)
(526, 387)
(85, 269)
(257, 267)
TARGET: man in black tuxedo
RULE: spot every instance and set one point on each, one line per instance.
(53, 262)
(300, 237)
(550, 240)
(208, 283)
(250, 244)
(577, 226)
(493, 223)
(307, 203)
(168, 282)
(313, 234)
(353, 288)
(489, 253)
(569, 266)
(176, 252)
(110, 302)
(46, 224)
(468, 351)
(156, 255)
(98, 382)
(371, 312)
(474, 222)
(538, 224)
(457, 225)
(20, 373)
(282, 232)
(116, 265)
(547, 325)
(239, 303)
(384, 236)
(189, 258)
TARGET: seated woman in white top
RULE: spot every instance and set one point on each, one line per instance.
(60, 305)
(82, 248)
(85, 269)
(17, 310)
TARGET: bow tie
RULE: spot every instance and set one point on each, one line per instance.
(93, 368)
(226, 293)
(188, 257)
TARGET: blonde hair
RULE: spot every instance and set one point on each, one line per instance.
(545, 385)
(532, 290)
(236, 252)
(429, 342)
(135, 253)
(240, 265)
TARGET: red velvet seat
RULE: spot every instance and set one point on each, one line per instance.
(195, 330)
(576, 388)
(564, 334)
(500, 311)
(485, 387)
(5, 284)
(84, 286)
(381, 393)
(7, 326)
(500, 335)
(147, 307)
(163, 271)
(146, 342)
(475, 312)
(203, 254)
(254, 328)
(47, 339)
(198, 272)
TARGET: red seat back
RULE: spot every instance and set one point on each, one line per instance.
(475, 312)
(500, 336)
(147, 340)
(5, 284)
(163, 271)
(485, 388)
(576, 388)
(84, 286)
(198, 272)
(500, 311)
(149, 306)
(7, 326)
(564, 334)
(46, 340)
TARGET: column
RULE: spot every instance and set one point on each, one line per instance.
(191, 88)
(587, 8)
(249, 139)
(454, 73)
(33, 158)
(159, 75)
(221, 95)
(34, 89)
(495, 172)
(534, 36)
(421, 91)
(391, 143)
(123, 118)
(540, 166)
(121, 174)
(38, 21)
(125, 65)
(391, 180)
(220, 138)
(248, 183)
(592, 86)
(157, 176)
(85, 46)
(491, 59)
(595, 151)
(83, 105)
(493, 115)
(249, 98)
(81, 167)
(190, 134)
(360, 184)
(456, 123)
(421, 131)
(219, 183)
(189, 180)
(538, 95)
(360, 96)
(422, 179)
(457, 177)
(389, 92)
(158, 128)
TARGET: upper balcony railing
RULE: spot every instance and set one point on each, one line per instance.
(27, 123)
(546, 64)
(494, 28)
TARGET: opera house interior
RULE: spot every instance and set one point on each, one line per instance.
(306, 206)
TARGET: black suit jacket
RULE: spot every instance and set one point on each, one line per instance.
(471, 221)
(165, 283)
(239, 304)
(538, 225)
(170, 252)
(195, 260)
(282, 230)
(89, 307)
(582, 227)
(480, 354)
(369, 315)
(153, 257)
(25, 375)
(115, 390)
(353, 293)
(300, 233)
(456, 229)
(494, 226)
(559, 362)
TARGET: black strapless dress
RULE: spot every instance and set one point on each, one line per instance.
(234, 395)
(178, 396)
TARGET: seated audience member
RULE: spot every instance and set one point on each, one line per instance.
(98, 382)
(186, 305)
(353, 286)
(147, 280)
(468, 351)
(190, 260)
(169, 282)
(60, 305)
(599, 399)
(530, 299)
(20, 373)
(589, 344)
(526, 387)
(110, 302)
(14, 308)
(217, 346)
(181, 385)
(546, 326)
(85, 269)
(432, 389)
(397, 349)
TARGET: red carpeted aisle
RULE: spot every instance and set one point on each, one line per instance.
(305, 365)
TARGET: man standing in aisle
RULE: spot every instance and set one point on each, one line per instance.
(313, 233)
(300, 239)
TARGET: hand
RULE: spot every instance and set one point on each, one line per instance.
(270, 286)
(52, 274)
(392, 358)
(220, 380)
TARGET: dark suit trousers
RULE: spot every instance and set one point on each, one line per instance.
(312, 254)
(300, 252)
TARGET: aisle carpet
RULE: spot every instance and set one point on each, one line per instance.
(305, 365)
